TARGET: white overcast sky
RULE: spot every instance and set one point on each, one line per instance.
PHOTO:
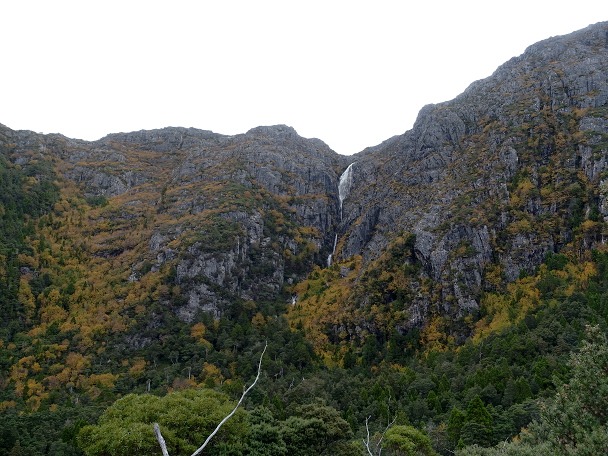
(351, 73)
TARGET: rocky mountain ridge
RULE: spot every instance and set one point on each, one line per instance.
(542, 114)
(237, 186)
(485, 185)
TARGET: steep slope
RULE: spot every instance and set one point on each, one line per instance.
(477, 193)
(129, 252)
(232, 216)
(158, 245)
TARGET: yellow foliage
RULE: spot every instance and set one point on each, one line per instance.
(212, 372)
(34, 402)
(590, 227)
(33, 387)
(68, 326)
(198, 331)
(19, 387)
(433, 336)
(498, 307)
(37, 331)
(324, 299)
(258, 321)
(19, 371)
(26, 298)
(182, 384)
(494, 275)
(77, 362)
(519, 226)
(106, 379)
(52, 313)
(138, 368)
(28, 260)
(52, 382)
(66, 375)
(7, 404)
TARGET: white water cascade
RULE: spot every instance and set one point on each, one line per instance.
(346, 181)
(344, 185)
(331, 255)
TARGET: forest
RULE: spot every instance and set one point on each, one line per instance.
(539, 348)
(452, 298)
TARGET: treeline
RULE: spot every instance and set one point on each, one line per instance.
(480, 393)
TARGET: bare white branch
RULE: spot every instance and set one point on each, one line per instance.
(237, 405)
(366, 441)
(378, 447)
(161, 440)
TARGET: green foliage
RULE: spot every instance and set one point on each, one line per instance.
(575, 420)
(407, 441)
(455, 423)
(97, 201)
(317, 429)
(577, 417)
(44, 432)
(265, 434)
(473, 426)
(26, 193)
(555, 261)
(477, 413)
(220, 235)
(507, 449)
(136, 342)
(186, 418)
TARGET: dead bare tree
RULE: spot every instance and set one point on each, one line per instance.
(377, 450)
(161, 440)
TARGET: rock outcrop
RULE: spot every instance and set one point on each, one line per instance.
(538, 120)
(488, 183)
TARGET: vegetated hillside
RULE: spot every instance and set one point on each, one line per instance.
(470, 248)
(476, 194)
(171, 224)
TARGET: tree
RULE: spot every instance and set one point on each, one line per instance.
(126, 427)
(477, 413)
(407, 441)
(318, 429)
(522, 390)
(577, 418)
(575, 421)
(373, 446)
(161, 440)
(264, 435)
(478, 425)
(433, 402)
(455, 423)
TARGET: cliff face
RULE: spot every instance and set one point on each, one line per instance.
(232, 216)
(494, 179)
(476, 193)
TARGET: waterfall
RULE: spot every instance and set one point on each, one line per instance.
(346, 181)
(331, 255)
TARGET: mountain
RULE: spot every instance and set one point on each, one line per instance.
(211, 206)
(486, 185)
(145, 249)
